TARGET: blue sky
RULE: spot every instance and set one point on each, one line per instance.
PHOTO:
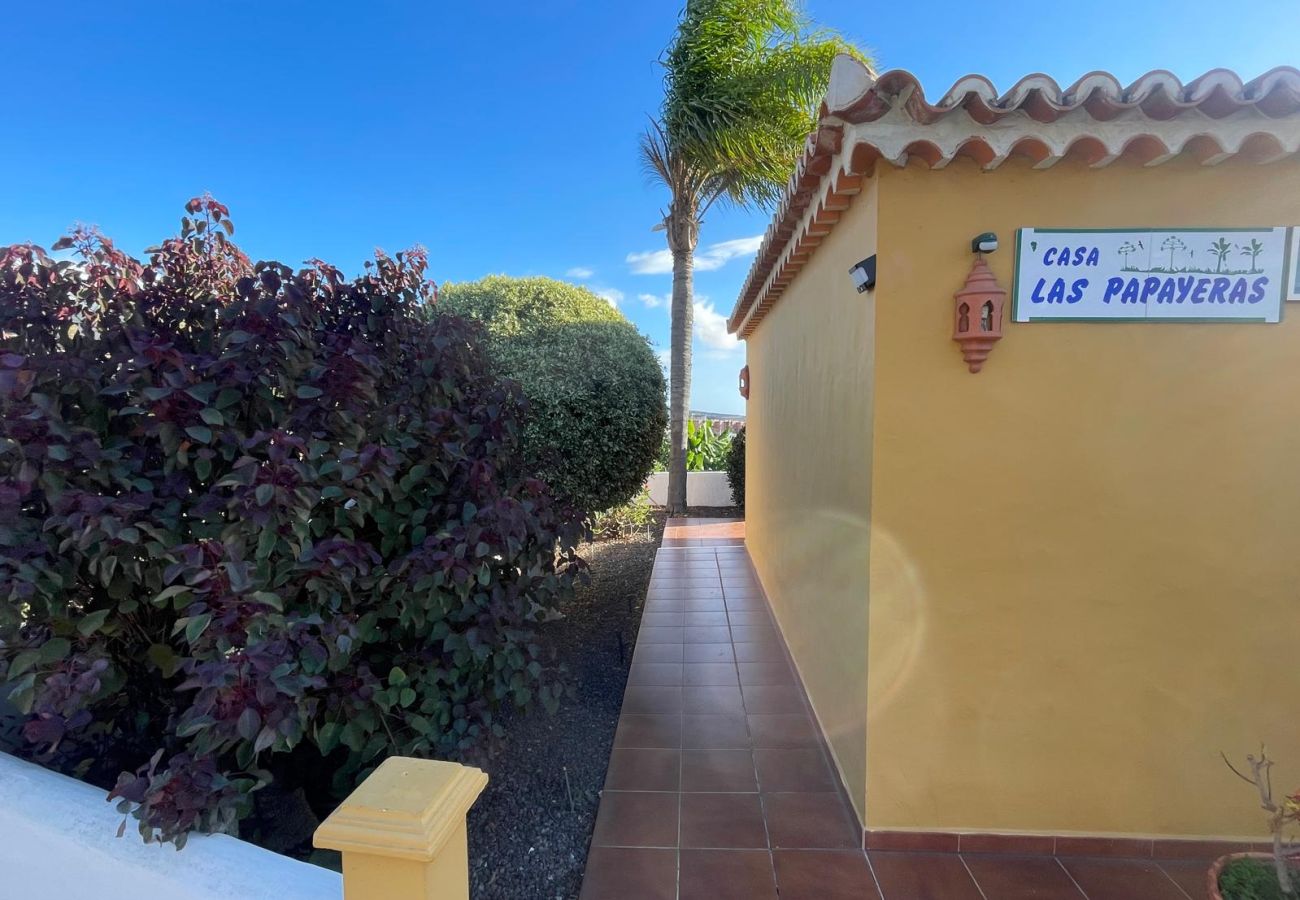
(502, 136)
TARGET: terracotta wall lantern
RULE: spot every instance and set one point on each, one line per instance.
(977, 315)
(744, 382)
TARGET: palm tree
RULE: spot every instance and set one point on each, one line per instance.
(1253, 250)
(1125, 249)
(1220, 248)
(742, 84)
(1172, 243)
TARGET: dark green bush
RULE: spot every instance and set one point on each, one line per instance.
(1250, 879)
(252, 517)
(736, 468)
(594, 387)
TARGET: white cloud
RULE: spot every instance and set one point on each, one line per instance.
(714, 256)
(711, 328)
(718, 254)
(652, 262)
(612, 296)
(652, 301)
(580, 272)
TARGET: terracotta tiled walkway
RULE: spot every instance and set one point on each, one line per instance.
(719, 786)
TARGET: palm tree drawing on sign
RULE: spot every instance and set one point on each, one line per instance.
(1253, 250)
(1220, 248)
(1172, 243)
(1125, 249)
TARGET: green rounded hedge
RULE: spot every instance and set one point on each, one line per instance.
(594, 387)
(736, 468)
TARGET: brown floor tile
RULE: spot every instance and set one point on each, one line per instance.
(1122, 879)
(1189, 875)
(714, 733)
(924, 876)
(766, 673)
(744, 602)
(722, 821)
(643, 770)
(1011, 844)
(810, 821)
(750, 617)
(760, 652)
(1123, 848)
(683, 592)
(726, 875)
(708, 653)
(783, 732)
(652, 701)
(824, 875)
(664, 606)
(713, 700)
(718, 770)
(711, 674)
(662, 619)
(670, 635)
(1022, 878)
(772, 699)
(1195, 850)
(618, 873)
(636, 820)
(655, 674)
(657, 653)
(704, 603)
(793, 770)
(707, 634)
(913, 841)
(706, 618)
(735, 588)
(754, 634)
(649, 732)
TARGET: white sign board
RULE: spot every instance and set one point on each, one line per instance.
(1293, 281)
(1167, 274)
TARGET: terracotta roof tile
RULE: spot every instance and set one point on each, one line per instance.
(867, 117)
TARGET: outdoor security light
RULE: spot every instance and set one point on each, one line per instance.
(864, 274)
(984, 243)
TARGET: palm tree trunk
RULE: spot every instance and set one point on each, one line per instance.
(681, 240)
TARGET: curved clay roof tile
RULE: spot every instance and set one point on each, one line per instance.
(1035, 119)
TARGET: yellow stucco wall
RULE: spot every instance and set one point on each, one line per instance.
(808, 479)
(1085, 560)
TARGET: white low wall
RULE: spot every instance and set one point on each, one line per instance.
(702, 489)
(58, 840)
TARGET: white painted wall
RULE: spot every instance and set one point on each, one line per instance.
(58, 841)
(702, 489)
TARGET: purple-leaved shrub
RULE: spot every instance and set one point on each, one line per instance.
(248, 513)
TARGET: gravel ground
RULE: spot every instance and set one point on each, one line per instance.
(529, 831)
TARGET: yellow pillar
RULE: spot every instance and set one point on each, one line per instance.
(402, 832)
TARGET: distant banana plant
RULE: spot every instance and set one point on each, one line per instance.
(1220, 248)
(1253, 250)
(706, 448)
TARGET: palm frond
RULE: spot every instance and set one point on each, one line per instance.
(743, 81)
